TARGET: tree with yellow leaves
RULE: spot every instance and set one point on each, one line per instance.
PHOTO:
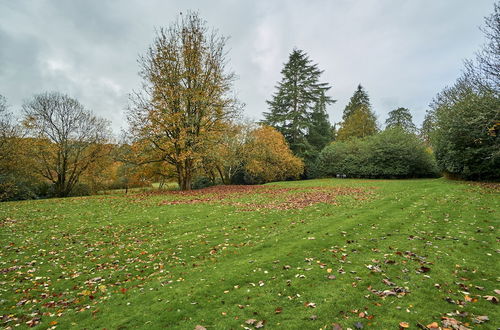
(186, 100)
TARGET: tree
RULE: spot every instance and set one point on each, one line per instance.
(268, 157)
(227, 157)
(7, 136)
(359, 99)
(299, 96)
(320, 131)
(66, 139)
(359, 124)
(464, 120)
(185, 100)
(401, 117)
(466, 137)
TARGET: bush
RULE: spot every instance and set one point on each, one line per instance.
(393, 153)
(17, 187)
(81, 189)
(466, 140)
(202, 182)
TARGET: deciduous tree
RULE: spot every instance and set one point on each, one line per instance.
(66, 139)
(186, 97)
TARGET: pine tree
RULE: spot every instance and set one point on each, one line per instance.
(401, 117)
(359, 124)
(299, 96)
(320, 131)
(359, 98)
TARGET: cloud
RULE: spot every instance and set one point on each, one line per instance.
(402, 52)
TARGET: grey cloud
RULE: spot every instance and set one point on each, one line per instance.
(403, 52)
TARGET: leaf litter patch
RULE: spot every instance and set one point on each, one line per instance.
(267, 197)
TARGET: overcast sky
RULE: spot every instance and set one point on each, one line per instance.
(402, 51)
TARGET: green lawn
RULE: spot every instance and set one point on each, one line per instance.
(371, 254)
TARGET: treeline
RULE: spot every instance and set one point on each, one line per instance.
(185, 125)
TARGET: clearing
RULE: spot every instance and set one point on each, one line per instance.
(311, 254)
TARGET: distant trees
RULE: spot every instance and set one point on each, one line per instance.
(358, 118)
(401, 117)
(186, 99)
(66, 139)
(463, 124)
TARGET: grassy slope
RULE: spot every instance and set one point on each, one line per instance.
(157, 268)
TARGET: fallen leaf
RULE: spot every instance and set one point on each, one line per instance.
(433, 325)
(403, 325)
(481, 319)
(278, 310)
(259, 325)
(493, 299)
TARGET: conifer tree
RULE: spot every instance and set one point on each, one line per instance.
(320, 131)
(359, 98)
(359, 124)
(401, 117)
(299, 97)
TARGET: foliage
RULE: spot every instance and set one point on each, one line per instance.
(268, 158)
(463, 123)
(401, 117)
(298, 107)
(392, 153)
(228, 156)
(66, 139)
(359, 99)
(466, 138)
(186, 96)
(361, 123)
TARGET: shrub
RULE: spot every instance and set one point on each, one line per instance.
(202, 182)
(392, 153)
(466, 139)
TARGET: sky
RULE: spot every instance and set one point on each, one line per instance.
(402, 51)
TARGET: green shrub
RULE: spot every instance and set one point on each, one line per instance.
(392, 153)
(202, 182)
(466, 139)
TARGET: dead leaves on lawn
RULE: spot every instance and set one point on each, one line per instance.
(267, 197)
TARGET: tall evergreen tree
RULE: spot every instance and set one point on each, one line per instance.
(299, 97)
(401, 117)
(358, 99)
(361, 123)
(320, 131)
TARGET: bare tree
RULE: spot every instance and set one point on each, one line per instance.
(185, 100)
(67, 138)
(9, 132)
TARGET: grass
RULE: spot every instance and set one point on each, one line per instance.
(179, 260)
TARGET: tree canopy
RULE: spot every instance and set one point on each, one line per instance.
(186, 98)
(298, 107)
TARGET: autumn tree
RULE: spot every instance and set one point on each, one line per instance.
(358, 118)
(298, 107)
(227, 158)
(359, 99)
(359, 124)
(268, 157)
(186, 96)
(402, 118)
(67, 139)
